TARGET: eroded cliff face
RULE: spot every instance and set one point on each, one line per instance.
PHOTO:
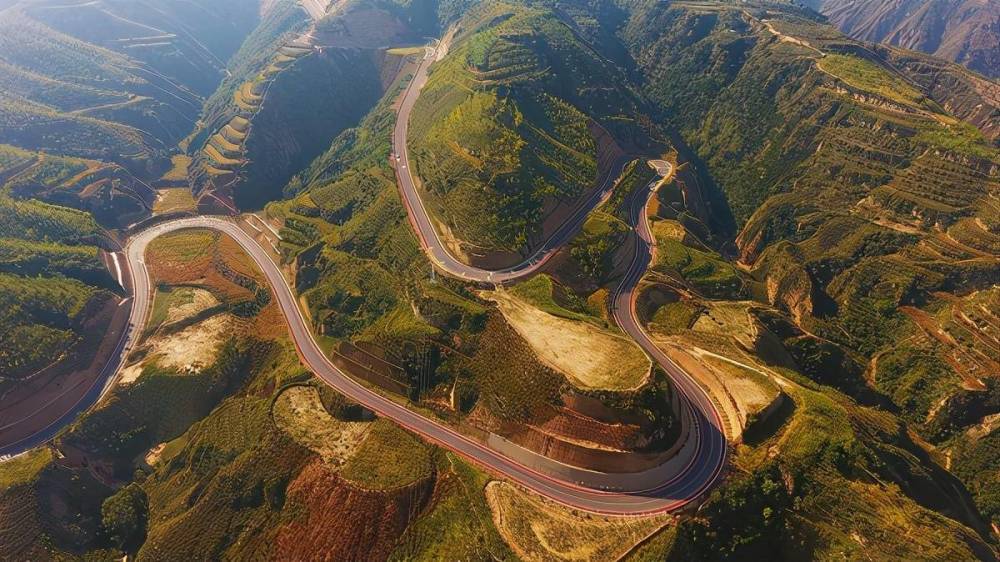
(966, 95)
(787, 284)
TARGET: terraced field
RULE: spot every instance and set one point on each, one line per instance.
(291, 94)
(505, 133)
(109, 80)
(223, 153)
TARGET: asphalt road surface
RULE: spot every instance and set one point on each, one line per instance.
(677, 488)
(676, 491)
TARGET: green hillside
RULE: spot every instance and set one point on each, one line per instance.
(113, 80)
(218, 144)
(255, 52)
(858, 194)
(308, 105)
(826, 254)
(292, 88)
(507, 125)
(49, 275)
(865, 206)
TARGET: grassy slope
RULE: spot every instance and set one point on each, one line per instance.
(613, 362)
(48, 275)
(126, 93)
(282, 22)
(501, 129)
(388, 458)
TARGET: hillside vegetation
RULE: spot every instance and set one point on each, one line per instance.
(866, 202)
(176, 464)
(126, 94)
(217, 144)
(50, 279)
(508, 126)
(855, 191)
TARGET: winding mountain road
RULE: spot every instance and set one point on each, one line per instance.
(676, 490)
(676, 485)
(711, 449)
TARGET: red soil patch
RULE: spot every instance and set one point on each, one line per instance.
(340, 522)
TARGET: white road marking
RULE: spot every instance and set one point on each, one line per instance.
(118, 269)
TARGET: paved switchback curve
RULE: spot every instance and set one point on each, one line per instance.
(677, 486)
(675, 491)
(674, 485)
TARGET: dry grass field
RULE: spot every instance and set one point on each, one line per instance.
(300, 413)
(172, 199)
(587, 355)
(539, 529)
(178, 303)
(193, 348)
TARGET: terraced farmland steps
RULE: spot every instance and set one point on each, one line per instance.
(224, 155)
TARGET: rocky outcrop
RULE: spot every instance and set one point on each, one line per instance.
(788, 285)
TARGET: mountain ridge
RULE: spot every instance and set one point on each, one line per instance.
(962, 31)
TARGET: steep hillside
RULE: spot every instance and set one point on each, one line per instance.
(57, 301)
(963, 31)
(186, 42)
(50, 276)
(113, 195)
(273, 114)
(115, 81)
(867, 204)
(226, 113)
(307, 106)
(518, 121)
(964, 94)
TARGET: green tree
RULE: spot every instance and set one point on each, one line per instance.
(124, 517)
